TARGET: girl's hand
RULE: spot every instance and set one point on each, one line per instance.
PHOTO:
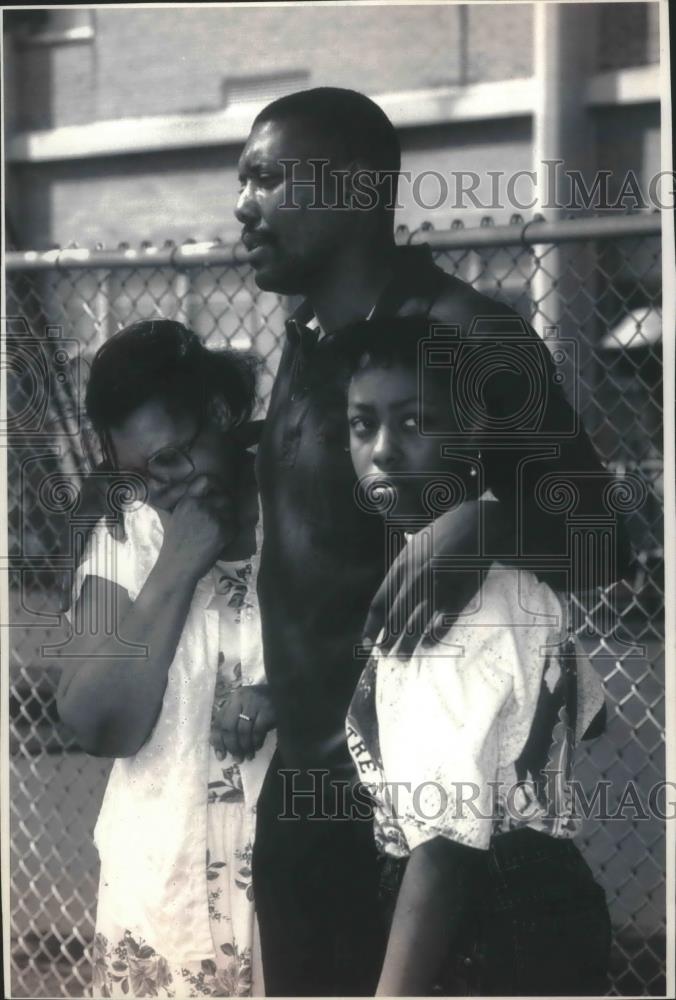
(200, 526)
(240, 725)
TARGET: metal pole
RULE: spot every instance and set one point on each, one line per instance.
(199, 254)
(564, 53)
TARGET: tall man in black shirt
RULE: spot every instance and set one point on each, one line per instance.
(323, 558)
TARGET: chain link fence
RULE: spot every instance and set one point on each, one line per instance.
(596, 280)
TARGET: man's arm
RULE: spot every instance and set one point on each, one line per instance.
(414, 593)
(544, 495)
(513, 396)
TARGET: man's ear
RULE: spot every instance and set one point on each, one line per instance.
(364, 186)
(352, 181)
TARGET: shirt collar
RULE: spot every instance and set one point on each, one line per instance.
(414, 274)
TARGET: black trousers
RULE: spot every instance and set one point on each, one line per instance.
(316, 881)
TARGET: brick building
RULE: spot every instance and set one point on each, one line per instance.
(126, 124)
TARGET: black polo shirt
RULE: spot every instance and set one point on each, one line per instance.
(323, 557)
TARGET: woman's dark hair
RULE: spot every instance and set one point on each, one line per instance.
(163, 359)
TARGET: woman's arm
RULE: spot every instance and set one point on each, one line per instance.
(111, 690)
(439, 880)
(108, 696)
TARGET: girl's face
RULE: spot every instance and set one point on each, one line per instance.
(169, 448)
(387, 445)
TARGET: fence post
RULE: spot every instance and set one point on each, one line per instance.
(564, 54)
(181, 290)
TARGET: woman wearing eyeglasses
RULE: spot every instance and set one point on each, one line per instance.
(165, 668)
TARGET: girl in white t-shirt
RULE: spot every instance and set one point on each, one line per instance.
(467, 747)
(165, 669)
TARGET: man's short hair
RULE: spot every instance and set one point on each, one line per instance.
(353, 125)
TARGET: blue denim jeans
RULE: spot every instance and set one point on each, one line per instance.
(539, 925)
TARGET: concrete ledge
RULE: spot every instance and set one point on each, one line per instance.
(408, 109)
(634, 85)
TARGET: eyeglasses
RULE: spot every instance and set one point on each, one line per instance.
(174, 462)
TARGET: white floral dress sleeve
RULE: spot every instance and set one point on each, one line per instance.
(107, 556)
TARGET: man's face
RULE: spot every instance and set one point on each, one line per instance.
(288, 246)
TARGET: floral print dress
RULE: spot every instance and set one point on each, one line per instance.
(127, 961)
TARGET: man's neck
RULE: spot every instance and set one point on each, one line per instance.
(349, 289)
